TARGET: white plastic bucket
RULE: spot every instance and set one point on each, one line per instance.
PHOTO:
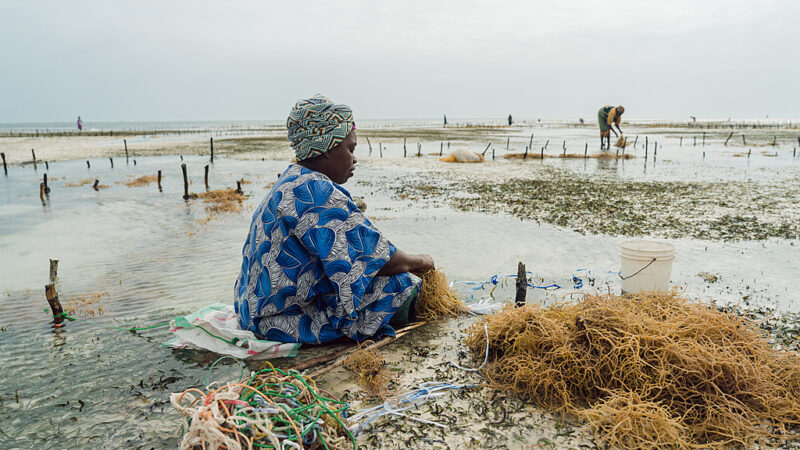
(646, 266)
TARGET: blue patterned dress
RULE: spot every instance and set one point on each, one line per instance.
(310, 264)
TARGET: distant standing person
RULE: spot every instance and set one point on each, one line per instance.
(80, 124)
(607, 117)
(510, 121)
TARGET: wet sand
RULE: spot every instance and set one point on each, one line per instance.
(155, 258)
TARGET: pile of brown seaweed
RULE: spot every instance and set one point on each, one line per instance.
(650, 370)
(437, 299)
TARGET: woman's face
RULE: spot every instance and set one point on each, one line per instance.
(341, 162)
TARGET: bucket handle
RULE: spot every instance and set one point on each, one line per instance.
(637, 272)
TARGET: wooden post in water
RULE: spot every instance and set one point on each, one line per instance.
(55, 305)
(134, 162)
(370, 146)
(695, 141)
(5, 167)
(508, 141)
(750, 150)
(441, 148)
(185, 182)
(655, 150)
(744, 141)
(547, 142)
(525, 155)
(646, 144)
(380, 148)
(239, 187)
(125, 142)
(530, 143)
(41, 193)
(729, 138)
(88, 166)
(541, 155)
(33, 153)
(681, 143)
(404, 147)
(704, 138)
(635, 140)
(96, 183)
(212, 150)
(486, 149)
(46, 165)
(522, 285)
(493, 154)
(159, 181)
(586, 150)
(53, 270)
(111, 160)
(419, 150)
(46, 187)
(205, 176)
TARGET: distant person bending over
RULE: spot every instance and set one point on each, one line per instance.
(607, 117)
(314, 268)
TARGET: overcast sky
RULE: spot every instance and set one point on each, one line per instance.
(198, 60)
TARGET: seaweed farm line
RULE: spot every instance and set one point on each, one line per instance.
(133, 255)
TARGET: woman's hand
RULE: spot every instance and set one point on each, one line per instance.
(426, 263)
(402, 262)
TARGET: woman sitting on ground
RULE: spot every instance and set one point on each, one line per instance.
(314, 267)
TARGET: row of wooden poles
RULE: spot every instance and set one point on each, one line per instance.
(44, 189)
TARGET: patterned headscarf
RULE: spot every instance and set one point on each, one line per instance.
(317, 125)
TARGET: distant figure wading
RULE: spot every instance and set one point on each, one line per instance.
(607, 117)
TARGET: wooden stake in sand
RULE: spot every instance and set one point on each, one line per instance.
(212, 155)
(750, 150)
(370, 146)
(55, 305)
(185, 182)
(525, 155)
(744, 141)
(380, 148)
(5, 168)
(493, 154)
(729, 138)
(239, 187)
(681, 143)
(159, 181)
(635, 140)
(508, 141)
(541, 154)
(205, 176)
(704, 138)
(487, 148)
(586, 150)
(441, 148)
(522, 285)
(33, 153)
(125, 142)
(404, 147)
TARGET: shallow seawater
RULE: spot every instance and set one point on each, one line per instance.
(151, 257)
